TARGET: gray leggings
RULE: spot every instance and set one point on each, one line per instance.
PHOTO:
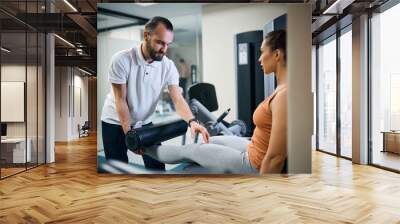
(227, 154)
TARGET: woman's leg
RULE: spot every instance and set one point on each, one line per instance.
(235, 142)
(217, 157)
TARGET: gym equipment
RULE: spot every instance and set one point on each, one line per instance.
(250, 76)
(139, 138)
(214, 125)
(83, 130)
(205, 93)
(203, 101)
(117, 167)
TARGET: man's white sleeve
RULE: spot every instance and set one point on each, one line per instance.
(118, 72)
(173, 76)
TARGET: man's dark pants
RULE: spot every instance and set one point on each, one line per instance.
(115, 147)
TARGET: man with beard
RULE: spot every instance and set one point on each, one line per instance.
(138, 77)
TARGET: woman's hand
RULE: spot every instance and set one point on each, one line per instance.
(196, 127)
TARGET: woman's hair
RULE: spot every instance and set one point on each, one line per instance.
(277, 40)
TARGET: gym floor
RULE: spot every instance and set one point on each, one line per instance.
(71, 191)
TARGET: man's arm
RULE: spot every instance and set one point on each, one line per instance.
(277, 148)
(183, 109)
(122, 106)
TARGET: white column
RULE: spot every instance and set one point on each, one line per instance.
(50, 97)
(50, 92)
(300, 98)
(360, 90)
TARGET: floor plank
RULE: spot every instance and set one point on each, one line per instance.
(71, 191)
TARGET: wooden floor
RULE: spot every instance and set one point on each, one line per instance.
(10, 171)
(70, 191)
(387, 159)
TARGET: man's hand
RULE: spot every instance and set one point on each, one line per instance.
(182, 108)
(196, 127)
(140, 152)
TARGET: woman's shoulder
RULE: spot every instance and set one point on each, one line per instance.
(281, 88)
(282, 91)
(279, 96)
(279, 91)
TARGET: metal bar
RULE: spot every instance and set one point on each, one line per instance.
(37, 91)
(60, 88)
(333, 154)
(120, 14)
(385, 6)
(25, 89)
(118, 27)
(73, 91)
(91, 6)
(338, 74)
(385, 168)
(369, 95)
(5, 177)
(69, 100)
(45, 96)
(0, 98)
(317, 97)
(18, 20)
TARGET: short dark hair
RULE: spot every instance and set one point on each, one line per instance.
(151, 25)
(277, 40)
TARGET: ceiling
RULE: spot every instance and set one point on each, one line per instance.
(332, 15)
(134, 15)
(72, 20)
(77, 21)
(150, 10)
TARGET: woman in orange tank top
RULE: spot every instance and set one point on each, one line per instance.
(266, 152)
(268, 147)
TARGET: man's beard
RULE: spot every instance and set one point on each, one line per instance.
(154, 55)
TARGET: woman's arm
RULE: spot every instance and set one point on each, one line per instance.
(277, 148)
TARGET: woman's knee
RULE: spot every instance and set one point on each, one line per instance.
(219, 140)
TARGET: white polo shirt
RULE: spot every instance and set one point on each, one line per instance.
(145, 84)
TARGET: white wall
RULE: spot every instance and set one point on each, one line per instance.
(33, 126)
(14, 72)
(67, 81)
(80, 82)
(61, 103)
(220, 24)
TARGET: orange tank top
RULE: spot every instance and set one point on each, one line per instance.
(262, 118)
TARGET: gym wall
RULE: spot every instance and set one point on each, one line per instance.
(218, 36)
